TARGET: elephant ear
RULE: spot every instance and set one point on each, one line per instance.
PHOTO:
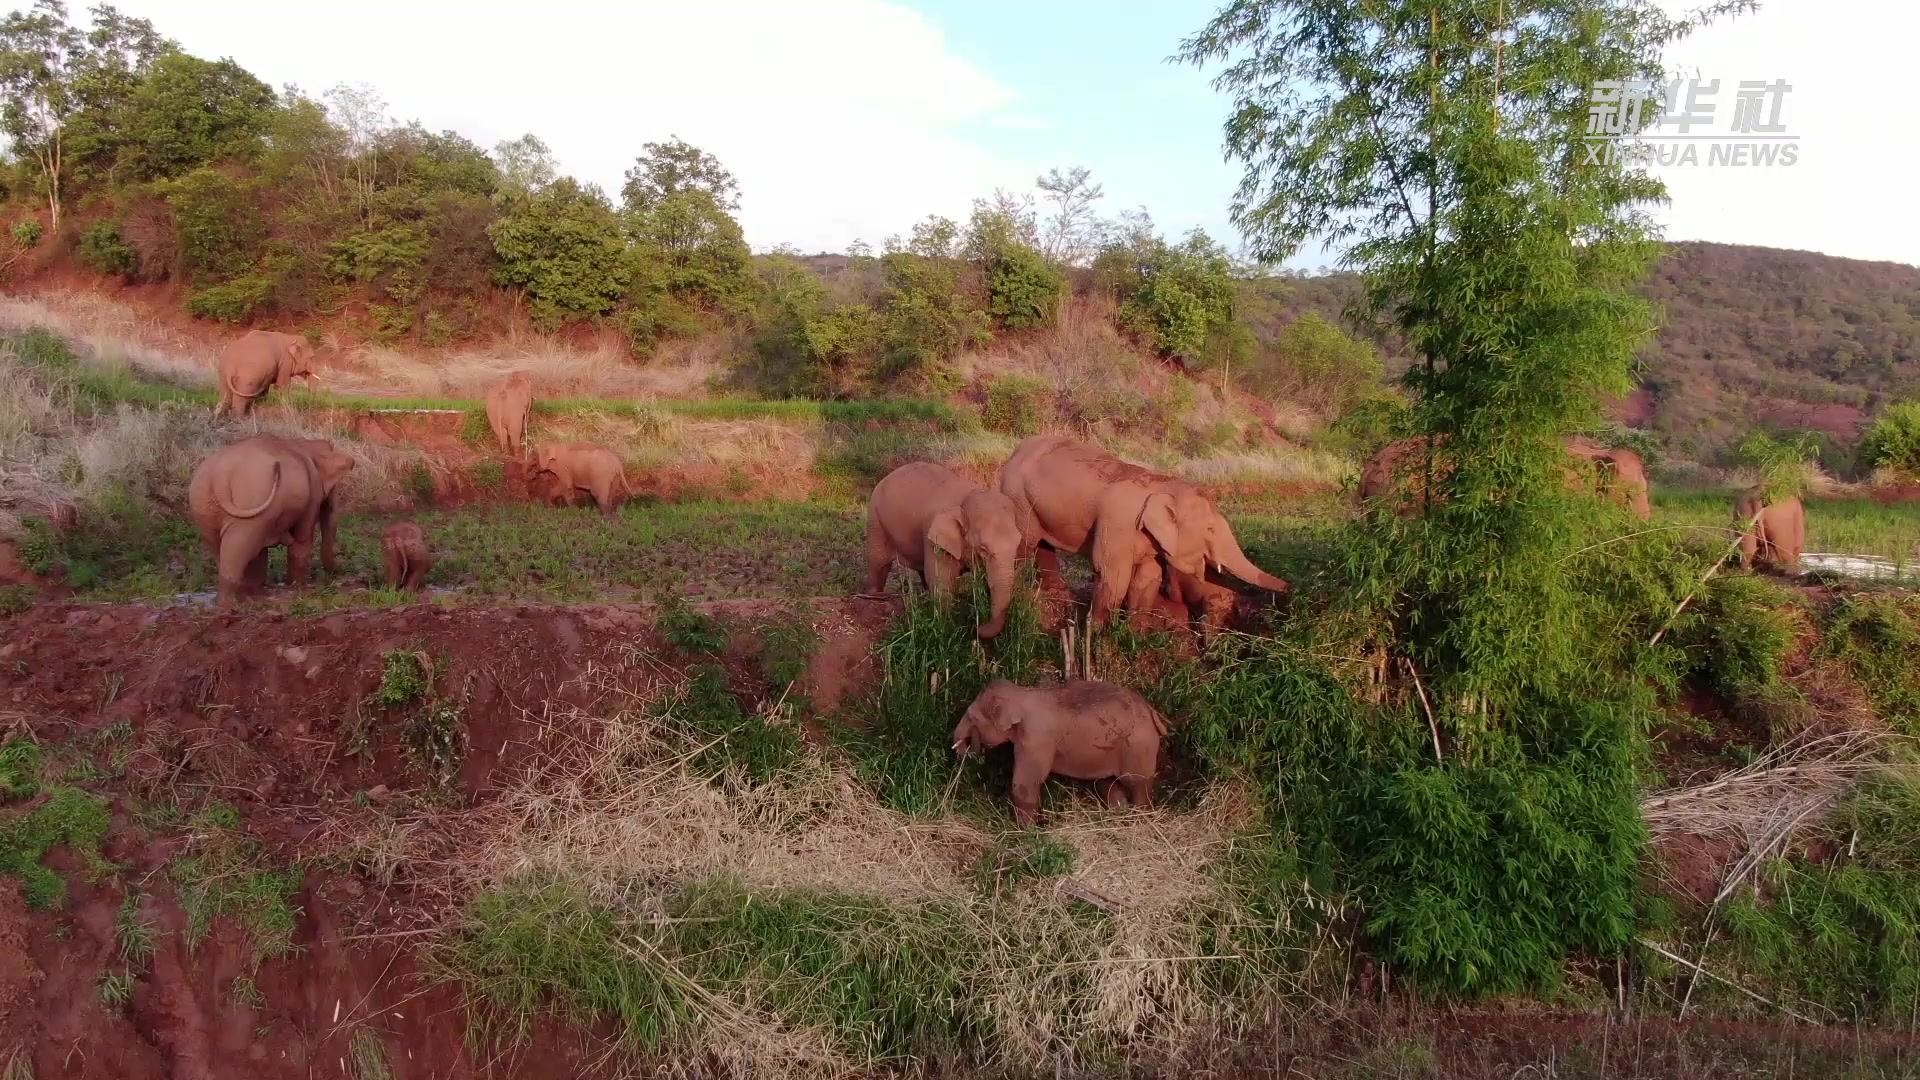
(948, 533)
(1157, 521)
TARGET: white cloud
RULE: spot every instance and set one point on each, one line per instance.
(1851, 191)
(841, 119)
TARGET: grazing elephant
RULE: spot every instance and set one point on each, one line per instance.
(938, 522)
(259, 361)
(404, 549)
(1622, 475)
(1086, 729)
(1074, 497)
(258, 493)
(578, 466)
(509, 402)
(1778, 536)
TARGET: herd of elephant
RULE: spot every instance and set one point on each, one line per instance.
(1158, 545)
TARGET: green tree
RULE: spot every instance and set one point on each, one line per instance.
(188, 112)
(220, 228)
(1315, 361)
(1438, 143)
(1023, 289)
(673, 167)
(1179, 295)
(1893, 442)
(562, 245)
(39, 51)
(525, 163)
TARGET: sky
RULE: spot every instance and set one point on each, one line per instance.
(852, 119)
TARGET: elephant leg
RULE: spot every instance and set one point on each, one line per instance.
(256, 578)
(1749, 545)
(1143, 593)
(329, 538)
(879, 556)
(1116, 796)
(1031, 767)
(241, 557)
(396, 566)
(416, 575)
(1139, 789)
(299, 561)
(1046, 563)
(603, 497)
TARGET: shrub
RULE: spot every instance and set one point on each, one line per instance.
(237, 301)
(564, 247)
(1017, 405)
(1893, 442)
(1178, 295)
(928, 319)
(218, 223)
(27, 232)
(102, 250)
(1023, 289)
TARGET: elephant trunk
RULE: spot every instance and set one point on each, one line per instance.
(1228, 556)
(1000, 590)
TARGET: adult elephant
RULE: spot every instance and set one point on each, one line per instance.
(1776, 532)
(258, 362)
(1621, 473)
(252, 495)
(938, 523)
(509, 402)
(1074, 497)
(579, 466)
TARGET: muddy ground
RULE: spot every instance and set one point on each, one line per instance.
(184, 709)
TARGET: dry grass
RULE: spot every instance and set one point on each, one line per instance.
(621, 814)
(113, 332)
(1270, 465)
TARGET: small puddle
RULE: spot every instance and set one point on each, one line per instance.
(1860, 566)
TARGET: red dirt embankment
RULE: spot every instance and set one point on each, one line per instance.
(266, 714)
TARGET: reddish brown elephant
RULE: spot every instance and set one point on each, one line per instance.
(578, 466)
(1074, 497)
(1778, 536)
(1085, 729)
(509, 403)
(258, 493)
(938, 523)
(1618, 473)
(403, 548)
(260, 361)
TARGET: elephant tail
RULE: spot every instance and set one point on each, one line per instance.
(242, 394)
(272, 493)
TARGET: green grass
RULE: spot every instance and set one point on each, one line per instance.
(116, 989)
(68, 817)
(226, 874)
(136, 935)
(21, 766)
(1839, 526)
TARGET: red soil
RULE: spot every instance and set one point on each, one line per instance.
(259, 711)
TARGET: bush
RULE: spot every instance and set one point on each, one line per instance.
(1018, 405)
(237, 301)
(1893, 442)
(1023, 290)
(1178, 295)
(102, 250)
(218, 223)
(564, 247)
(27, 232)
(927, 321)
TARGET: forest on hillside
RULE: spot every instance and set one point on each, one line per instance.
(194, 183)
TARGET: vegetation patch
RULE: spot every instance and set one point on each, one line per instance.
(68, 817)
(225, 873)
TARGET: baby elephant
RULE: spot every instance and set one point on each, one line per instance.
(404, 547)
(1086, 729)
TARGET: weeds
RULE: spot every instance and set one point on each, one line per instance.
(225, 874)
(406, 678)
(68, 817)
(436, 737)
(15, 599)
(1877, 637)
(1022, 856)
(244, 992)
(786, 646)
(135, 934)
(116, 990)
(21, 764)
(368, 1057)
(689, 630)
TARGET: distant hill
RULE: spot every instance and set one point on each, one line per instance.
(1751, 337)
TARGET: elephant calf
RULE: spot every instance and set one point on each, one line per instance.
(509, 403)
(1086, 729)
(404, 548)
(938, 522)
(578, 466)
